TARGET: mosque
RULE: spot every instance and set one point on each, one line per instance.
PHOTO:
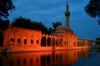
(16, 39)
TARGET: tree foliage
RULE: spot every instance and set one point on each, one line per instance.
(98, 41)
(27, 23)
(51, 30)
(93, 8)
(4, 24)
(55, 25)
(5, 6)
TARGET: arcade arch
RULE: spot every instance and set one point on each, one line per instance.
(43, 41)
(1, 39)
(57, 42)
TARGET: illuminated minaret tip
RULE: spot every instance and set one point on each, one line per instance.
(67, 14)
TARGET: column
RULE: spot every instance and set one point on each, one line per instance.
(15, 40)
(28, 41)
(22, 40)
(46, 41)
(51, 42)
(58, 42)
(39, 42)
(55, 42)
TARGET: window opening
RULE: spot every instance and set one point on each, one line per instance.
(25, 41)
(18, 41)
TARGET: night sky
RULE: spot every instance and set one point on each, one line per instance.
(49, 11)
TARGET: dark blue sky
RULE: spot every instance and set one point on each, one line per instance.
(48, 11)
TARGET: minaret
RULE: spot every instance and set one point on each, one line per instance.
(67, 14)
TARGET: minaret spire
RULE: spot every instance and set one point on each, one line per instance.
(67, 1)
(67, 14)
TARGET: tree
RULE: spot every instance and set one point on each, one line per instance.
(93, 9)
(4, 24)
(27, 23)
(5, 6)
(22, 22)
(55, 25)
(50, 30)
(98, 41)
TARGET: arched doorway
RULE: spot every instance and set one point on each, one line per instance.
(43, 41)
(57, 42)
(1, 39)
(48, 42)
(61, 42)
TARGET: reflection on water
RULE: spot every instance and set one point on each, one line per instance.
(50, 58)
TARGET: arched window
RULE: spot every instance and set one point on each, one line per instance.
(37, 42)
(12, 39)
(65, 42)
(25, 40)
(18, 41)
(78, 43)
(32, 39)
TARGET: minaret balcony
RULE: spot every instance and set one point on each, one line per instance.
(67, 13)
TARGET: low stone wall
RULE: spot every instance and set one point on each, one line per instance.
(23, 48)
(28, 48)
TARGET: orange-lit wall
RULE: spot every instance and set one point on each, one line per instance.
(20, 39)
(83, 43)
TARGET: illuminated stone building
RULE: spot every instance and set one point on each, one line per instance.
(69, 38)
(83, 42)
(16, 39)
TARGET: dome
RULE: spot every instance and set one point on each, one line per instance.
(69, 30)
(64, 29)
(60, 29)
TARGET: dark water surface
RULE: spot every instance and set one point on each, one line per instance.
(48, 58)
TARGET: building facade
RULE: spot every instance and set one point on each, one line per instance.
(16, 39)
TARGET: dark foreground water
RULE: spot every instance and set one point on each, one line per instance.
(48, 58)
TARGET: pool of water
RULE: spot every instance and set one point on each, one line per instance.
(91, 53)
(48, 58)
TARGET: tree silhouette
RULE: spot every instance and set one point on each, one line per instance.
(55, 25)
(27, 23)
(50, 30)
(93, 9)
(4, 24)
(5, 6)
(98, 41)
